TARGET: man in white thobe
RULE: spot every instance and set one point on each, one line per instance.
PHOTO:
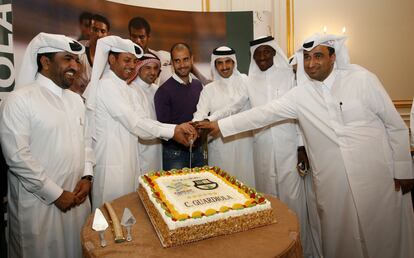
(149, 151)
(233, 154)
(42, 130)
(276, 147)
(358, 147)
(115, 125)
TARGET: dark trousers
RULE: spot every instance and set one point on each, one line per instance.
(178, 158)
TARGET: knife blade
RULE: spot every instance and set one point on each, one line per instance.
(100, 224)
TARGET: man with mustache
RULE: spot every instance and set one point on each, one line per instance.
(42, 130)
(115, 124)
(278, 147)
(233, 154)
(175, 102)
(358, 147)
(149, 151)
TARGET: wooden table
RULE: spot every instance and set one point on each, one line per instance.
(280, 239)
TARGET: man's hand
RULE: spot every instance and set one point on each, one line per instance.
(406, 185)
(82, 190)
(303, 161)
(211, 126)
(185, 132)
(65, 201)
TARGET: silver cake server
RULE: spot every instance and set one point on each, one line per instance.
(100, 224)
(127, 221)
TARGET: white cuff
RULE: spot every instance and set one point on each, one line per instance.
(167, 131)
(49, 192)
(88, 169)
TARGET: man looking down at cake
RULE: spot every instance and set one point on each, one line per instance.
(175, 102)
(115, 125)
(358, 147)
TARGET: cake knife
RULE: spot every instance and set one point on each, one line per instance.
(191, 151)
(100, 224)
(127, 221)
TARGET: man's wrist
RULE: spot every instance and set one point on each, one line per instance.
(301, 148)
(88, 177)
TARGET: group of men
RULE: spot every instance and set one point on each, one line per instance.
(59, 147)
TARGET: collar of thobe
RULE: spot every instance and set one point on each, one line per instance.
(178, 79)
(329, 81)
(142, 84)
(115, 77)
(49, 84)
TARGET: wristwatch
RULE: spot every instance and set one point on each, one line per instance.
(88, 177)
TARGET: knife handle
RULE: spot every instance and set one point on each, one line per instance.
(119, 236)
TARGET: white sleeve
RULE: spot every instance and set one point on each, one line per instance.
(234, 107)
(203, 105)
(397, 131)
(138, 124)
(276, 110)
(90, 159)
(15, 131)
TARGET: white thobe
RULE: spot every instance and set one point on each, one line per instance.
(118, 127)
(149, 151)
(42, 131)
(233, 154)
(357, 144)
(275, 154)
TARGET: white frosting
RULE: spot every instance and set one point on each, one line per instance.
(186, 198)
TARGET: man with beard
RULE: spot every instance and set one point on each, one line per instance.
(278, 148)
(358, 147)
(233, 154)
(42, 130)
(175, 103)
(115, 124)
(149, 151)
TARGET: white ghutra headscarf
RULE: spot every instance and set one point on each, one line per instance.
(40, 44)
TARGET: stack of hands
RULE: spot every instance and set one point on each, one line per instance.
(186, 132)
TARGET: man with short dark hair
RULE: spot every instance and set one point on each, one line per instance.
(175, 102)
(140, 33)
(358, 147)
(43, 136)
(100, 28)
(84, 25)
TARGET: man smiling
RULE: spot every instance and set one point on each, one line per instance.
(42, 131)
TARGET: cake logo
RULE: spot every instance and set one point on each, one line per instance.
(205, 184)
(180, 188)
